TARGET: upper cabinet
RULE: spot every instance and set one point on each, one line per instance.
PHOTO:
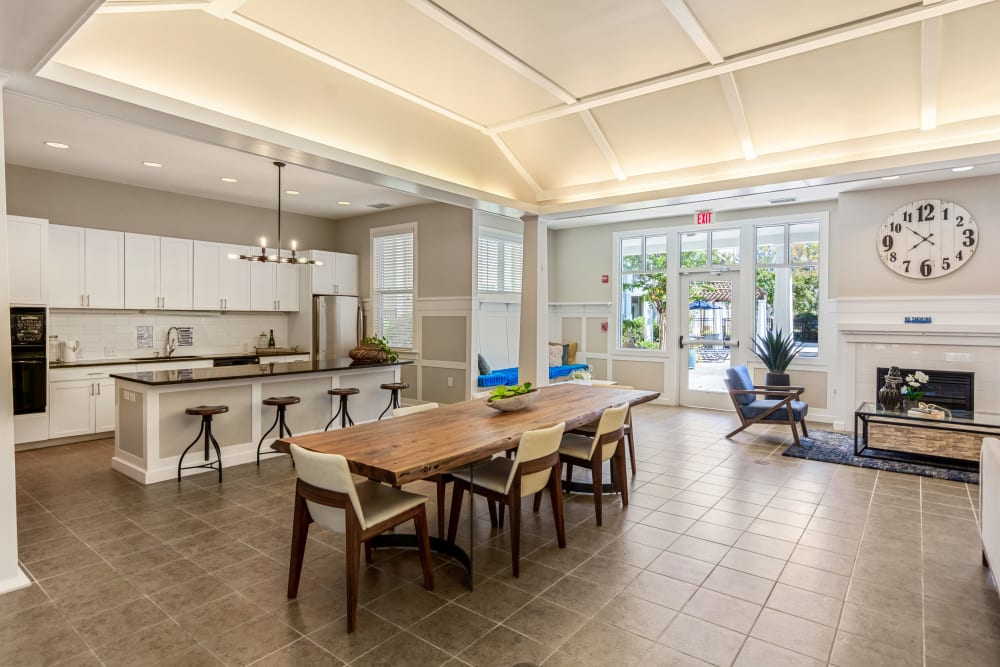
(337, 275)
(274, 286)
(27, 256)
(220, 283)
(158, 272)
(86, 268)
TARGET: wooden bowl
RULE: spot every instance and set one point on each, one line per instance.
(512, 403)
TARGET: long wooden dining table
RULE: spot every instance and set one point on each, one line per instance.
(424, 444)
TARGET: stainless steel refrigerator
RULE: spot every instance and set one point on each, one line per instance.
(337, 325)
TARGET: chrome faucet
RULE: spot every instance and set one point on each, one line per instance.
(172, 342)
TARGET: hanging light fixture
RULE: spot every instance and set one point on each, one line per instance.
(277, 258)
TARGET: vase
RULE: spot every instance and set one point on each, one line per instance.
(889, 395)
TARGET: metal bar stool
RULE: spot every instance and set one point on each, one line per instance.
(281, 402)
(205, 412)
(345, 416)
(394, 388)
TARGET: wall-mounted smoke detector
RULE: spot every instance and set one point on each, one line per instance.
(379, 205)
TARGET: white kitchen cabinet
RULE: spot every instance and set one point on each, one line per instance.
(82, 400)
(86, 268)
(27, 255)
(274, 286)
(337, 275)
(158, 272)
(220, 283)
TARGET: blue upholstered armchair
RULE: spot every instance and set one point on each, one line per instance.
(765, 404)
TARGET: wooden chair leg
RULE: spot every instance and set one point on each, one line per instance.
(492, 506)
(557, 508)
(569, 474)
(368, 553)
(500, 512)
(458, 489)
(631, 447)
(515, 530)
(538, 496)
(596, 472)
(420, 524)
(300, 531)
(802, 424)
(619, 460)
(352, 557)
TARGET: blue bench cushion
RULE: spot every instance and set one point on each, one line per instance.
(799, 410)
(508, 376)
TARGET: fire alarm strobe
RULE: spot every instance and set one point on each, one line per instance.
(604, 278)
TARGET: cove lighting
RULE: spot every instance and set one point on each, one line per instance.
(292, 192)
(965, 168)
(227, 179)
(154, 165)
(56, 144)
(344, 203)
(889, 178)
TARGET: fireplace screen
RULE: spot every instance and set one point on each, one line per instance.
(949, 389)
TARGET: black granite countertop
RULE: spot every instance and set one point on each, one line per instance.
(188, 375)
(83, 363)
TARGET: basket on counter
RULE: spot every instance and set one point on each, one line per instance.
(368, 353)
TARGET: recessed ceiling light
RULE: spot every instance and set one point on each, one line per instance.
(292, 192)
(889, 178)
(154, 165)
(344, 203)
(965, 168)
(227, 179)
(56, 144)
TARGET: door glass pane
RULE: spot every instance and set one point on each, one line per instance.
(763, 302)
(804, 242)
(771, 245)
(694, 249)
(726, 247)
(805, 309)
(709, 326)
(656, 253)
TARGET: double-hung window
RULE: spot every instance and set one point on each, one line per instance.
(643, 284)
(499, 260)
(392, 284)
(787, 280)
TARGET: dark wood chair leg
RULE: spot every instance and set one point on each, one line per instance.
(631, 448)
(596, 471)
(457, 490)
(300, 531)
(557, 508)
(500, 512)
(569, 474)
(620, 464)
(514, 499)
(805, 431)
(352, 558)
(368, 553)
(420, 524)
(538, 496)
(492, 506)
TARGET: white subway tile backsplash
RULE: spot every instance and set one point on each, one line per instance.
(213, 333)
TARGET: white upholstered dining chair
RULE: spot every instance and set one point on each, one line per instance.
(327, 494)
(440, 481)
(592, 451)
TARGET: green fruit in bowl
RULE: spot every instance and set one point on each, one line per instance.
(504, 391)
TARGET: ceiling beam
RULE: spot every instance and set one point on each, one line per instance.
(692, 26)
(150, 6)
(514, 162)
(737, 114)
(602, 143)
(930, 71)
(223, 9)
(865, 28)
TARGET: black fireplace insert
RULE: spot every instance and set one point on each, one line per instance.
(954, 390)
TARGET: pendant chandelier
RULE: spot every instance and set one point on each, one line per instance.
(277, 258)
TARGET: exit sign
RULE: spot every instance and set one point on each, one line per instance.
(703, 218)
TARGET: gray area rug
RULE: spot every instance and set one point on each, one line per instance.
(839, 448)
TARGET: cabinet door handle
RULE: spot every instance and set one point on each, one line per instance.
(98, 388)
(88, 300)
(91, 388)
(83, 301)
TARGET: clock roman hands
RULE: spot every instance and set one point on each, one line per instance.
(922, 238)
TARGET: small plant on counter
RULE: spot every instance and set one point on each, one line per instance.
(503, 391)
(382, 344)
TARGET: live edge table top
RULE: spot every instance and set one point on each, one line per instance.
(405, 449)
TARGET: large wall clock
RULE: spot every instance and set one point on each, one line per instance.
(927, 239)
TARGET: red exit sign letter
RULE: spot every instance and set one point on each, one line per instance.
(703, 217)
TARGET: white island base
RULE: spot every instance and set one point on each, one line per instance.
(152, 429)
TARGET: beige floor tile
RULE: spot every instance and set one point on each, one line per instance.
(756, 653)
(721, 609)
(370, 631)
(805, 604)
(794, 633)
(403, 649)
(598, 643)
(752, 563)
(661, 590)
(546, 622)
(687, 569)
(504, 646)
(703, 640)
(739, 584)
(851, 650)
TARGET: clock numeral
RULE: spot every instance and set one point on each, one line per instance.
(960, 221)
(944, 213)
(887, 242)
(969, 238)
(926, 269)
(907, 217)
(906, 266)
(925, 212)
(958, 255)
(945, 264)
(896, 227)
(892, 257)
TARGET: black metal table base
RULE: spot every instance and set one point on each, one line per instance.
(441, 546)
(863, 449)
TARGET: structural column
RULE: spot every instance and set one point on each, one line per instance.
(11, 576)
(533, 348)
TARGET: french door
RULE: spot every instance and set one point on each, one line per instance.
(709, 325)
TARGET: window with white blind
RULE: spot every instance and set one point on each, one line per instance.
(392, 281)
(499, 260)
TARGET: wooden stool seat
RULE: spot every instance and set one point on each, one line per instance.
(282, 400)
(343, 391)
(202, 410)
(205, 412)
(393, 388)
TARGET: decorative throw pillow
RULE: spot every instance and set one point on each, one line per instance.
(484, 367)
(555, 355)
(571, 357)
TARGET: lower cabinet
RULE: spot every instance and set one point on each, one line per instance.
(82, 401)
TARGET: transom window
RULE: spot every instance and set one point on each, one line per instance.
(500, 257)
(787, 282)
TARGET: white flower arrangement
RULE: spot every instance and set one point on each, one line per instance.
(914, 382)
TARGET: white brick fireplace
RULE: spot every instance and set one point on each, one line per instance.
(964, 335)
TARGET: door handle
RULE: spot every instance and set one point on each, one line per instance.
(98, 385)
(680, 342)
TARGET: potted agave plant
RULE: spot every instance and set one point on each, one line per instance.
(776, 351)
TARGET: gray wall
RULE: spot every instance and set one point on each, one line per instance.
(86, 202)
(856, 269)
(444, 246)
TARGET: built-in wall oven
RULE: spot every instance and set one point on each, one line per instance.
(29, 366)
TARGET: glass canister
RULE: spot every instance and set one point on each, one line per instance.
(55, 349)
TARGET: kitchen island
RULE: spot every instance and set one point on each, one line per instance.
(152, 430)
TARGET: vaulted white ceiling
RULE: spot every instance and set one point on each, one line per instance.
(566, 104)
